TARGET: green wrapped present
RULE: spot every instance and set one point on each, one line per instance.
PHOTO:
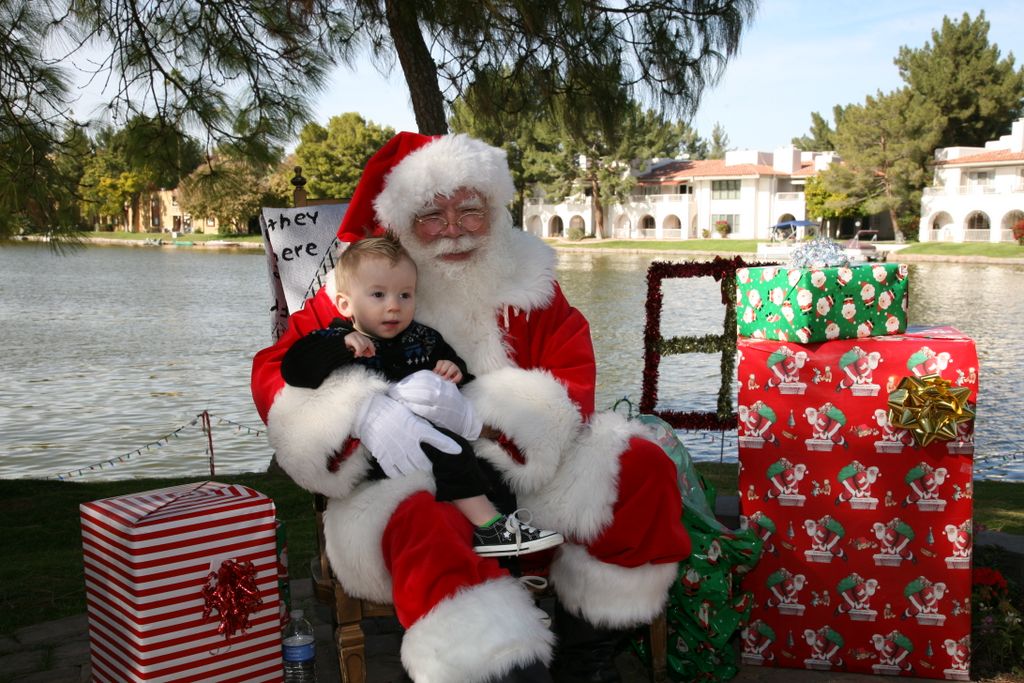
(807, 305)
(706, 608)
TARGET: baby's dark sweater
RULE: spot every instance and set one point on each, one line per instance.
(309, 360)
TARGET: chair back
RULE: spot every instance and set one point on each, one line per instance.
(301, 244)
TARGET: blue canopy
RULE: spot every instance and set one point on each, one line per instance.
(795, 224)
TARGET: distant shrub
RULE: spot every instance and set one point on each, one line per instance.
(706, 233)
(575, 234)
(723, 228)
(1018, 232)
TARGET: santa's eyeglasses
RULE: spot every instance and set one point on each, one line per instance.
(435, 223)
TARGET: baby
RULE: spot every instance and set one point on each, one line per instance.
(376, 292)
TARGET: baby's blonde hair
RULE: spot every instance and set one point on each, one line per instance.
(385, 247)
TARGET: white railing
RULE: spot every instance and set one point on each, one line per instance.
(658, 198)
(961, 190)
(977, 235)
(1006, 235)
(789, 196)
(672, 234)
(649, 234)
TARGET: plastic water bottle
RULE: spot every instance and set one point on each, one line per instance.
(299, 650)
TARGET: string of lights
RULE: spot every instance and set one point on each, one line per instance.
(156, 444)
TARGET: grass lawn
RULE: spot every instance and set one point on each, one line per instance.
(710, 245)
(41, 575)
(995, 250)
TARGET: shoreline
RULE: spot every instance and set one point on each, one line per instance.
(560, 246)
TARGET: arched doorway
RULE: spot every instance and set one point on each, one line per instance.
(555, 226)
(1006, 226)
(941, 227)
(577, 226)
(977, 227)
(648, 226)
(623, 227)
(671, 228)
(534, 225)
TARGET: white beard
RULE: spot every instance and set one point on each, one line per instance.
(462, 299)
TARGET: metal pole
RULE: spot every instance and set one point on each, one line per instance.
(209, 439)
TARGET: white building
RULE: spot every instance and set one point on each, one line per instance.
(683, 199)
(978, 192)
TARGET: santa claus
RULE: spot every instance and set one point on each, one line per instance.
(491, 291)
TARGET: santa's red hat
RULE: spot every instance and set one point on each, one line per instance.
(411, 169)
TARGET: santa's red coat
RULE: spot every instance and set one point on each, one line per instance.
(591, 476)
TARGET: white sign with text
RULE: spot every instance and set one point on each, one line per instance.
(300, 245)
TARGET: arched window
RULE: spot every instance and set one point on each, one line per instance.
(555, 227)
(647, 225)
(977, 227)
(1009, 220)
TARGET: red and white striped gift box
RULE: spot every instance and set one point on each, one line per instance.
(147, 558)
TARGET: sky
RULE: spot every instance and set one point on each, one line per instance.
(798, 57)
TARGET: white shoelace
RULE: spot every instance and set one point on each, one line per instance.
(533, 583)
(516, 525)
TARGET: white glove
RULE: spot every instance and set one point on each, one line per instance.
(436, 399)
(394, 434)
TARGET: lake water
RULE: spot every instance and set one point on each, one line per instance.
(110, 353)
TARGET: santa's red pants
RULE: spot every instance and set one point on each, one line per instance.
(427, 545)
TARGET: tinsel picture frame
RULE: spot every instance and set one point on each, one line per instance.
(655, 346)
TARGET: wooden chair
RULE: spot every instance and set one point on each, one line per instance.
(348, 612)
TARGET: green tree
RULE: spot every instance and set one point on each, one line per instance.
(599, 162)
(332, 158)
(527, 132)
(247, 71)
(593, 56)
(886, 145)
(820, 139)
(960, 73)
(33, 111)
(144, 156)
(231, 189)
(821, 202)
(691, 143)
(719, 143)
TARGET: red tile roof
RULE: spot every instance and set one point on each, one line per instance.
(990, 157)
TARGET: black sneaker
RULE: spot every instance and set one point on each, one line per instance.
(510, 536)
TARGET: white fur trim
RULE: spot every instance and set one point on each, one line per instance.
(477, 635)
(579, 499)
(522, 281)
(533, 409)
(531, 284)
(607, 595)
(306, 427)
(354, 527)
(441, 167)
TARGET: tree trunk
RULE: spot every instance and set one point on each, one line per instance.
(595, 194)
(417, 65)
(898, 234)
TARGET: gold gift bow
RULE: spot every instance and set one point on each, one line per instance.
(929, 408)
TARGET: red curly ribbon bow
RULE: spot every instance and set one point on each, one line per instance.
(232, 592)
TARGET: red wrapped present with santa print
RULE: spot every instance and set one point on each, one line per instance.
(855, 470)
(181, 585)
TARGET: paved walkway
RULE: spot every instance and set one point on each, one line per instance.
(58, 651)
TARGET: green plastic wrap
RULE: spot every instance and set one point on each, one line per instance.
(706, 609)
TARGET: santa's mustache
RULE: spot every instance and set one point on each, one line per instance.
(455, 245)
